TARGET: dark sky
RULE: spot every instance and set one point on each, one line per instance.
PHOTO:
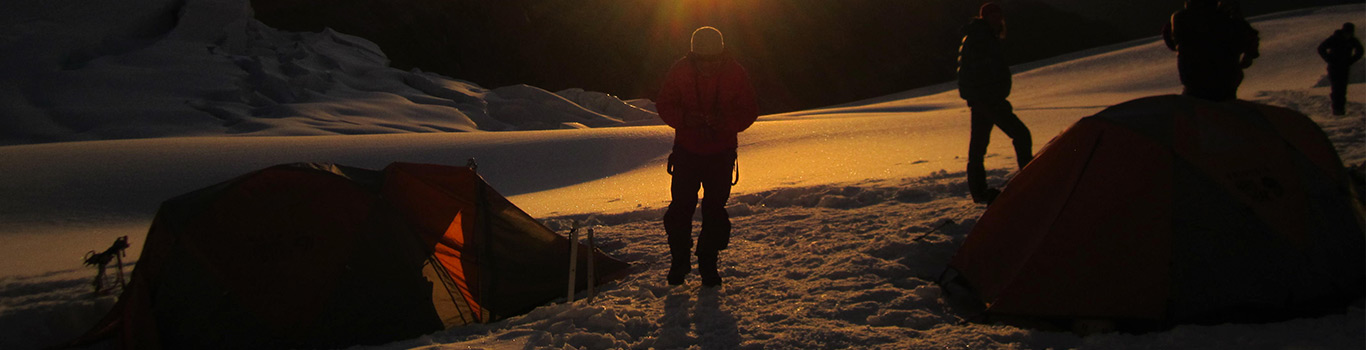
(800, 53)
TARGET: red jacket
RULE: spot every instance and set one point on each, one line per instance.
(688, 97)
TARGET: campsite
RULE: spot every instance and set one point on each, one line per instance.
(846, 218)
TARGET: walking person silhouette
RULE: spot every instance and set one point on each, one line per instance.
(1340, 51)
(984, 81)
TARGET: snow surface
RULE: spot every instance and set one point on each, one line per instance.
(843, 215)
(200, 68)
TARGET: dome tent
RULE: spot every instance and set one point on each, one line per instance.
(1168, 210)
(321, 255)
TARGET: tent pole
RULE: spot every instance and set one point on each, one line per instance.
(592, 254)
(484, 261)
(573, 261)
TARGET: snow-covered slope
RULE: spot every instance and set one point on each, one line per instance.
(843, 215)
(206, 68)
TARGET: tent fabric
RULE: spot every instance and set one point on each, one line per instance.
(321, 255)
(1172, 209)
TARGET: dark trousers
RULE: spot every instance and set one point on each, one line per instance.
(711, 173)
(985, 115)
(1338, 77)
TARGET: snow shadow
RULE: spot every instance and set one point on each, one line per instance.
(836, 112)
(937, 185)
(1059, 108)
(714, 327)
(43, 310)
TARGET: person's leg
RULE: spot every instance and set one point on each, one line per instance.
(678, 218)
(1017, 131)
(716, 226)
(1338, 77)
(977, 150)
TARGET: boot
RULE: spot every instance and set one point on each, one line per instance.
(706, 266)
(989, 195)
(680, 268)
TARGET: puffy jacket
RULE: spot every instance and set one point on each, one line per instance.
(687, 97)
(1342, 49)
(982, 70)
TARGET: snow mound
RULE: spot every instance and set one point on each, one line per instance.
(607, 104)
(205, 68)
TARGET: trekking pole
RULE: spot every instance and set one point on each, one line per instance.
(592, 255)
(96, 282)
(736, 180)
(573, 260)
(119, 258)
(936, 228)
(950, 221)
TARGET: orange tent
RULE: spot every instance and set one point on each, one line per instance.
(320, 255)
(1171, 209)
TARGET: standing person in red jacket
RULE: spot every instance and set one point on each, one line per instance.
(707, 99)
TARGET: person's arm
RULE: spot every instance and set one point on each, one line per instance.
(669, 103)
(1356, 50)
(970, 55)
(1323, 48)
(1167, 36)
(742, 108)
